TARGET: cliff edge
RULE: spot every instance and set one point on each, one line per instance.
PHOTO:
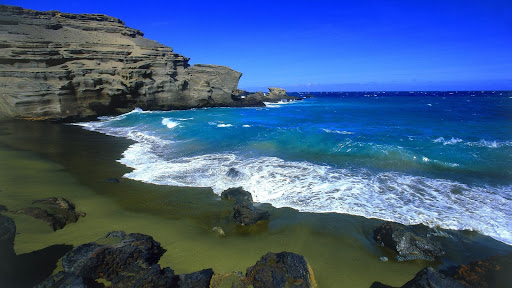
(67, 67)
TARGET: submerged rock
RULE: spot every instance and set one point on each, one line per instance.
(426, 278)
(113, 180)
(244, 211)
(234, 174)
(7, 235)
(492, 272)
(406, 243)
(246, 214)
(283, 269)
(218, 231)
(57, 211)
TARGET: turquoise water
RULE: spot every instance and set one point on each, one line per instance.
(438, 158)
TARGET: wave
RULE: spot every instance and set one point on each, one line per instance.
(337, 131)
(169, 123)
(448, 142)
(316, 188)
(482, 143)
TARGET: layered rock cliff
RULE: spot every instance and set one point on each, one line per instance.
(61, 66)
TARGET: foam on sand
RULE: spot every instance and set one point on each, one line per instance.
(315, 188)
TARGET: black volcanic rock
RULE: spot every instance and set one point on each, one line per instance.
(283, 269)
(7, 235)
(126, 260)
(56, 211)
(406, 243)
(199, 279)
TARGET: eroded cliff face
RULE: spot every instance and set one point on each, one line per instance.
(61, 66)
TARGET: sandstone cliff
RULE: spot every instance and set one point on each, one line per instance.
(61, 66)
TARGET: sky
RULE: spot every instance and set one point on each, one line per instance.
(356, 45)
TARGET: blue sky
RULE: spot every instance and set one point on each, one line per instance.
(329, 45)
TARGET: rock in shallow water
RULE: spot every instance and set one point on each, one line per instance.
(244, 211)
(426, 278)
(406, 243)
(57, 211)
(283, 269)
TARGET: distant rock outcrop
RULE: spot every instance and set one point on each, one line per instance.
(61, 66)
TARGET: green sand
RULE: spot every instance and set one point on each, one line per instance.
(41, 160)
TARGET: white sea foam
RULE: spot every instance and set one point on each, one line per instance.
(246, 126)
(338, 131)
(315, 188)
(481, 143)
(490, 144)
(169, 123)
(224, 125)
(448, 142)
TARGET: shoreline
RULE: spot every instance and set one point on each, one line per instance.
(68, 161)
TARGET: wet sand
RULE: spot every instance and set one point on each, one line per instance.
(41, 160)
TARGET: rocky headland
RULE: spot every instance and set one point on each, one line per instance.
(67, 67)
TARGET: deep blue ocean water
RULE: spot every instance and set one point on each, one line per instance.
(439, 158)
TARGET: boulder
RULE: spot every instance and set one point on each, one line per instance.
(199, 279)
(124, 260)
(124, 252)
(408, 244)
(7, 235)
(238, 194)
(57, 211)
(283, 269)
(244, 211)
(426, 278)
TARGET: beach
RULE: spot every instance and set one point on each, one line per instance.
(45, 160)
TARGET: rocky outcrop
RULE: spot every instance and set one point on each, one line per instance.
(244, 211)
(426, 278)
(62, 66)
(7, 234)
(406, 242)
(130, 260)
(57, 211)
(278, 94)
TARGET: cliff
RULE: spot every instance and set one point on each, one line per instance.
(61, 66)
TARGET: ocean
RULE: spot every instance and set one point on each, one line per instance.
(438, 158)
